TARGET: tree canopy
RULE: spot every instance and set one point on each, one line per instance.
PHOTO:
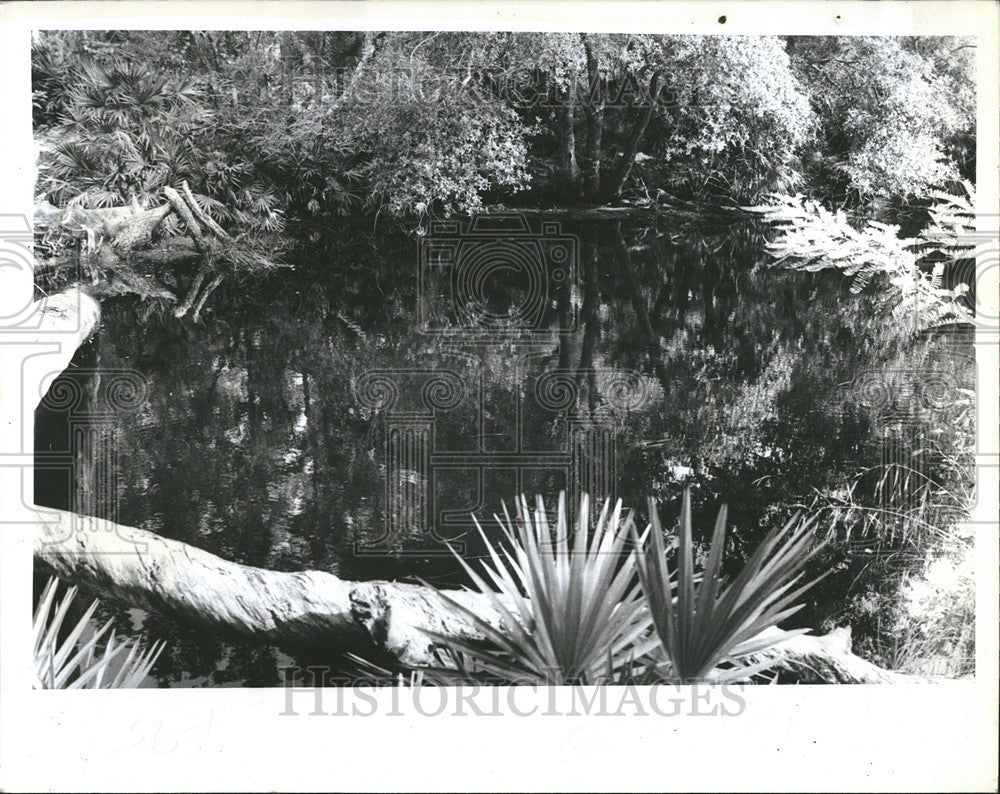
(278, 131)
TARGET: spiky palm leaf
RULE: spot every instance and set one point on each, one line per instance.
(571, 607)
(702, 626)
(72, 664)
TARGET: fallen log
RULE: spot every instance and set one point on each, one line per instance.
(386, 619)
(827, 659)
(137, 230)
(305, 608)
(173, 251)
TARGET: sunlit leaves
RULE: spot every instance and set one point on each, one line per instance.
(737, 119)
(575, 610)
(706, 625)
(891, 110)
(126, 130)
(75, 660)
(440, 122)
(812, 238)
(570, 602)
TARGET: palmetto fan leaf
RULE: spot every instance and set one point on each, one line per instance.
(702, 626)
(78, 158)
(146, 92)
(215, 208)
(569, 601)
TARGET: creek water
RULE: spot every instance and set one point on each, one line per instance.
(350, 414)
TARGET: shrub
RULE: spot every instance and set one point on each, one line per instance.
(586, 611)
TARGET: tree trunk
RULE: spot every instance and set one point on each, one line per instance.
(194, 228)
(201, 214)
(386, 620)
(285, 46)
(614, 187)
(137, 230)
(586, 373)
(594, 111)
(367, 51)
(182, 582)
(567, 137)
(194, 216)
(319, 70)
(206, 293)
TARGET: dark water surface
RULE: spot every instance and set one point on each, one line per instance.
(349, 415)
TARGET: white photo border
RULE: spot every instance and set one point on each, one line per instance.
(904, 738)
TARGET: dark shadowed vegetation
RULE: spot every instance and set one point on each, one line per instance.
(768, 304)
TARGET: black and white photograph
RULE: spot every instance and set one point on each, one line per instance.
(372, 367)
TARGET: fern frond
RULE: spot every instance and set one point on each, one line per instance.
(811, 238)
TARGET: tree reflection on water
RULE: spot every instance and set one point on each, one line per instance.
(670, 354)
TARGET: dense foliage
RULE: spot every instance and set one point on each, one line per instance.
(275, 129)
(895, 115)
(911, 271)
